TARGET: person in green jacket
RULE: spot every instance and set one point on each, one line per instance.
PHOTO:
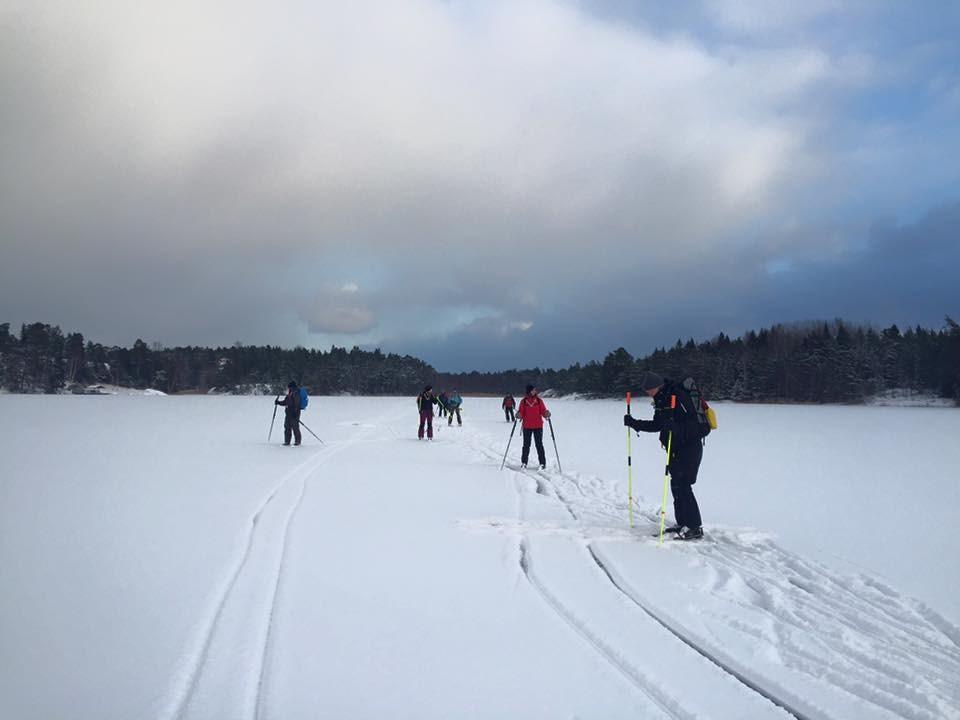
(454, 401)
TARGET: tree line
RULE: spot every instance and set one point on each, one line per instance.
(815, 362)
(45, 360)
(823, 362)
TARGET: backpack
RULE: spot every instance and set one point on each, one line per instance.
(304, 399)
(706, 416)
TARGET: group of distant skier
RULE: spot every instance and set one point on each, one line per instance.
(448, 406)
(677, 419)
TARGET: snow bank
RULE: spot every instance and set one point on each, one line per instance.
(908, 398)
(103, 389)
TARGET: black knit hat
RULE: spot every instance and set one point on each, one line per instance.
(292, 384)
(650, 381)
(530, 388)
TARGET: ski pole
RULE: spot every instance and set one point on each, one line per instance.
(508, 444)
(311, 432)
(629, 467)
(554, 437)
(666, 471)
(270, 434)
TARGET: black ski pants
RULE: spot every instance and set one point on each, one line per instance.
(537, 435)
(684, 467)
(508, 414)
(452, 411)
(291, 425)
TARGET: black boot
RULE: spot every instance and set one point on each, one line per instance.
(687, 533)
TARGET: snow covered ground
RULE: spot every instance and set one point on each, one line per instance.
(160, 560)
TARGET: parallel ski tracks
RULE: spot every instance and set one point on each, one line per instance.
(200, 660)
(267, 644)
(786, 701)
(687, 640)
(252, 589)
(646, 687)
(667, 704)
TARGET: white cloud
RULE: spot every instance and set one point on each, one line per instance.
(340, 320)
(513, 156)
(339, 311)
(389, 105)
(759, 17)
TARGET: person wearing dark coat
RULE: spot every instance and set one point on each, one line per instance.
(425, 403)
(442, 403)
(508, 405)
(291, 413)
(686, 448)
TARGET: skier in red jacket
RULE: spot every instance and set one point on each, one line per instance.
(532, 412)
(508, 405)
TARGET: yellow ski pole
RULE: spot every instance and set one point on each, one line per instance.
(629, 466)
(666, 471)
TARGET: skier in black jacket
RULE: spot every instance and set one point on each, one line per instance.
(686, 448)
(291, 413)
(425, 402)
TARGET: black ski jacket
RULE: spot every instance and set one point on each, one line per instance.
(682, 421)
(426, 401)
(291, 404)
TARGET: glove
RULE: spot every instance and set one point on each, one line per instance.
(546, 413)
(629, 421)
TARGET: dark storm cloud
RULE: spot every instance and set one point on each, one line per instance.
(904, 274)
(481, 184)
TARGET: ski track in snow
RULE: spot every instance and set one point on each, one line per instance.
(724, 664)
(850, 637)
(889, 655)
(843, 631)
(644, 683)
(225, 674)
(670, 705)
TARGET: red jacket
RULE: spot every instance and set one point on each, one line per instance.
(532, 411)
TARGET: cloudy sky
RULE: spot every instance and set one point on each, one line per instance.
(485, 184)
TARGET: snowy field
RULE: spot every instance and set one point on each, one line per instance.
(158, 559)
